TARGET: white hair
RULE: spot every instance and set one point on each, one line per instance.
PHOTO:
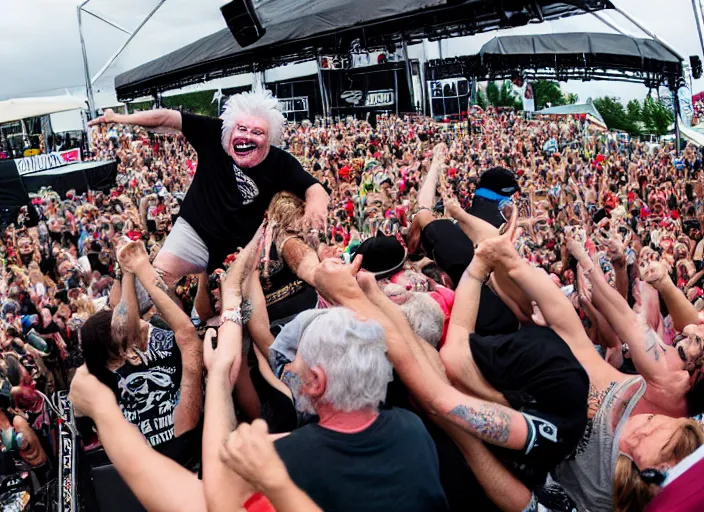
(352, 352)
(258, 103)
(425, 316)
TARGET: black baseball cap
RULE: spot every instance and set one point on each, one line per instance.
(383, 256)
(499, 180)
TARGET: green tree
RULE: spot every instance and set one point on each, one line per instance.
(572, 98)
(615, 116)
(481, 99)
(634, 111)
(547, 91)
(200, 102)
(503, 96)
(656, 116)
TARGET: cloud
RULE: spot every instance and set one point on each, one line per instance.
(40, 48)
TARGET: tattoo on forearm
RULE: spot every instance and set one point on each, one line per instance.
(121, 309)
(489, 421)
(159, 281)
(652, 344)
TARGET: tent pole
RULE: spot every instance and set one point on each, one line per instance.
(323, 96)
(676, 106)
(638, 24)
(409, 78)
(127, 42)
(423, 83)
(699, 23)
(86, 69)
(396, 89)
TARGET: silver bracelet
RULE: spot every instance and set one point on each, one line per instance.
(239, 315)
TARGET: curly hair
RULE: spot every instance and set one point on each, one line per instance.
(284, 219)
(258, 103)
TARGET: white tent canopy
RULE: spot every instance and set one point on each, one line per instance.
(21, 108)
(696, 137)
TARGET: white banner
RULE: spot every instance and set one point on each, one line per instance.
(49, 161)
(528, 98)
(379, 98)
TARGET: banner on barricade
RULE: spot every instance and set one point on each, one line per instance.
(48, 161)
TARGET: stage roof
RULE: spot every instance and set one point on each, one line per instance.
(583, 108)
(22, 108)
(578, 56)
(376, 23)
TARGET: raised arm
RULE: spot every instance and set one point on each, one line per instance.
(490, 422)
(682, 311)
(159, 483)
(644, 344)
(258, 324)
(223, 359)
(202, 302)
(133, 258)
(301, 258)
(426, 195)
(163, 118)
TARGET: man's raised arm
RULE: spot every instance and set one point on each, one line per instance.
(489, 422)
(133, 258)
(161, 118)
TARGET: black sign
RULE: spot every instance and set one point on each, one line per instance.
(377, 88)
(289, 105)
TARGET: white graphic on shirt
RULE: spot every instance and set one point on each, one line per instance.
(246, 186)
(142, 391)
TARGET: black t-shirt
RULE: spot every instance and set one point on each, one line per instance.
(446, 243)
(225, 204)
(539, 376)
(149, 392)
(391, 465)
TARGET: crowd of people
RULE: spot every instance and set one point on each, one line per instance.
(501, 314)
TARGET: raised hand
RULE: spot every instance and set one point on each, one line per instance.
(249, 452)
(108, 116)
(220, 354)
(88, 394)
(337, 281)
(440, 152)
(492, 251)
(244, 264)
(656, 273)
(368, 283)
(131, 256)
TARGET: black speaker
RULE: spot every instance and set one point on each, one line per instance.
(516, 13)
(242, 21)
(696, 64)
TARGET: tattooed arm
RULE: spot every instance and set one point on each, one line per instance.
(188, 411)
(499, 484)
(489, 422)
(126, 325)
(646, 349)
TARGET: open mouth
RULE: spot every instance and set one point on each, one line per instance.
(244, 147)
(681, 353)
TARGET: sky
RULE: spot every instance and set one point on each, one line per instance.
(40, 51)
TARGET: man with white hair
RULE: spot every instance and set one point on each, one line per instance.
(240, 169)
(357, 457)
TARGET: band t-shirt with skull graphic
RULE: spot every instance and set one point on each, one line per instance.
(149, 392)
(225, 204)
